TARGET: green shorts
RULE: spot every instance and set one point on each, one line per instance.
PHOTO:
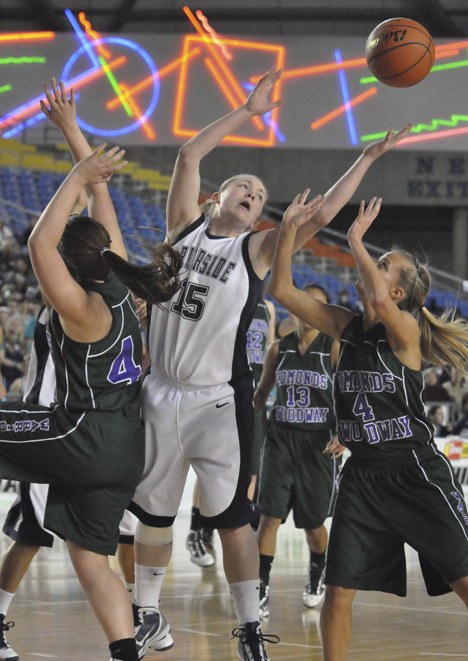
(259, 438)
(93, 462)
(296, 476)
(414, 498)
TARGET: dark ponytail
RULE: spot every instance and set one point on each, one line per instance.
(85, 248)
(156, 282)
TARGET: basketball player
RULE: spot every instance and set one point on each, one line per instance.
(396, 487)
(89, 448)
(296, 475)
(198, 397)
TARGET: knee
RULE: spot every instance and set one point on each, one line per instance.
(338, 599)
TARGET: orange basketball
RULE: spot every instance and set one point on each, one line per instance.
(400, 52)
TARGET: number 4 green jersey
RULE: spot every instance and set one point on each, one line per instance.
(103, 375)
(378, 400)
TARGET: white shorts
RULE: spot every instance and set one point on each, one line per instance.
(210, 429)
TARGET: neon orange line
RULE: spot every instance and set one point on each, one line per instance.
(181, 86)
(434, 136)
(221, 82)
(147, 82)
(93, 34)
(27, 36)
(86, 79)
(146, 126)
(342, 109)
(220, 62)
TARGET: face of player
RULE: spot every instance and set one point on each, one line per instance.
(242, 200)
(390, 266)
(320, 296)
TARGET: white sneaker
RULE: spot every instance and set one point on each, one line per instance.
(153, 631)
(199, 554)
(6, 652)
(314, 591)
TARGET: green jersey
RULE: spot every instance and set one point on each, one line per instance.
(257, 338)
(103, 375)
(378, 400)
(304, 385)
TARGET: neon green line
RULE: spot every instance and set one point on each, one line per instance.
(22, 60)
(435, 123)
(419, 128)
(436, 67)
(115, 86)
(5, 88)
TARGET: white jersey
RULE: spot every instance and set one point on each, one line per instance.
(39, 383)
(199, 337)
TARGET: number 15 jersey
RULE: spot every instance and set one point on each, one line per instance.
(199, 336)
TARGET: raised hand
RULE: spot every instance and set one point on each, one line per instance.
(259, 100)
(99, 166)
(365, 218)
(300, 211)
(376, 149)
(61, 109)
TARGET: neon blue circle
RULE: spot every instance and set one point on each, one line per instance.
(152, 67)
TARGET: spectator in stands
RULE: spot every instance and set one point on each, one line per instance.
(461, 425)
(456, 387)
(436, 415)
(13, 353)
(433, 391)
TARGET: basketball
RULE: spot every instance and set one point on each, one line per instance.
(400, 52)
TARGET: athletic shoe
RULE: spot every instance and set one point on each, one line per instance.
(5, 650)
(264, 600)
(198, 552)
(152, 631)
(314, 591)
(206, 536)
(250, 646)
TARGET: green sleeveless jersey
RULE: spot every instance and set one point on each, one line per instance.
(378, 400)
(304, 385)
(257, 337)
(103, 375)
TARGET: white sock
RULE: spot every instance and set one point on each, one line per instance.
(5, 600)
(246, 596)
(148, 584)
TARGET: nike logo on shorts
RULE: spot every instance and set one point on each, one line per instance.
(218, 406)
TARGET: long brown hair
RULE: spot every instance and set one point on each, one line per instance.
(444, 339)
(85, 248)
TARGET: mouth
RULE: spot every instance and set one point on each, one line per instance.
(245, 205)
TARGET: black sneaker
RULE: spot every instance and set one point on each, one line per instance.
(264, 600)
(206, 536)
(5, 650)
(314, 591)
(136, 620)
(250, 646)
(152, 631)
(199, 554)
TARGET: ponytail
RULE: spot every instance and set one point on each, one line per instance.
(156, 282)
(444, 340)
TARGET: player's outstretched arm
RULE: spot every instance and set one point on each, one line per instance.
(182, 203)
(60, 109)
(59, 287)
(330, 319)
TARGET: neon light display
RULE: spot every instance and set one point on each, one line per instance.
(161, 89)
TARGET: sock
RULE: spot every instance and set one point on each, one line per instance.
(317, 562)
(148, 584)
(130, 587)
(195, 522)
(246, 596)
(266, 562)
(124, 649)
(5, 601)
